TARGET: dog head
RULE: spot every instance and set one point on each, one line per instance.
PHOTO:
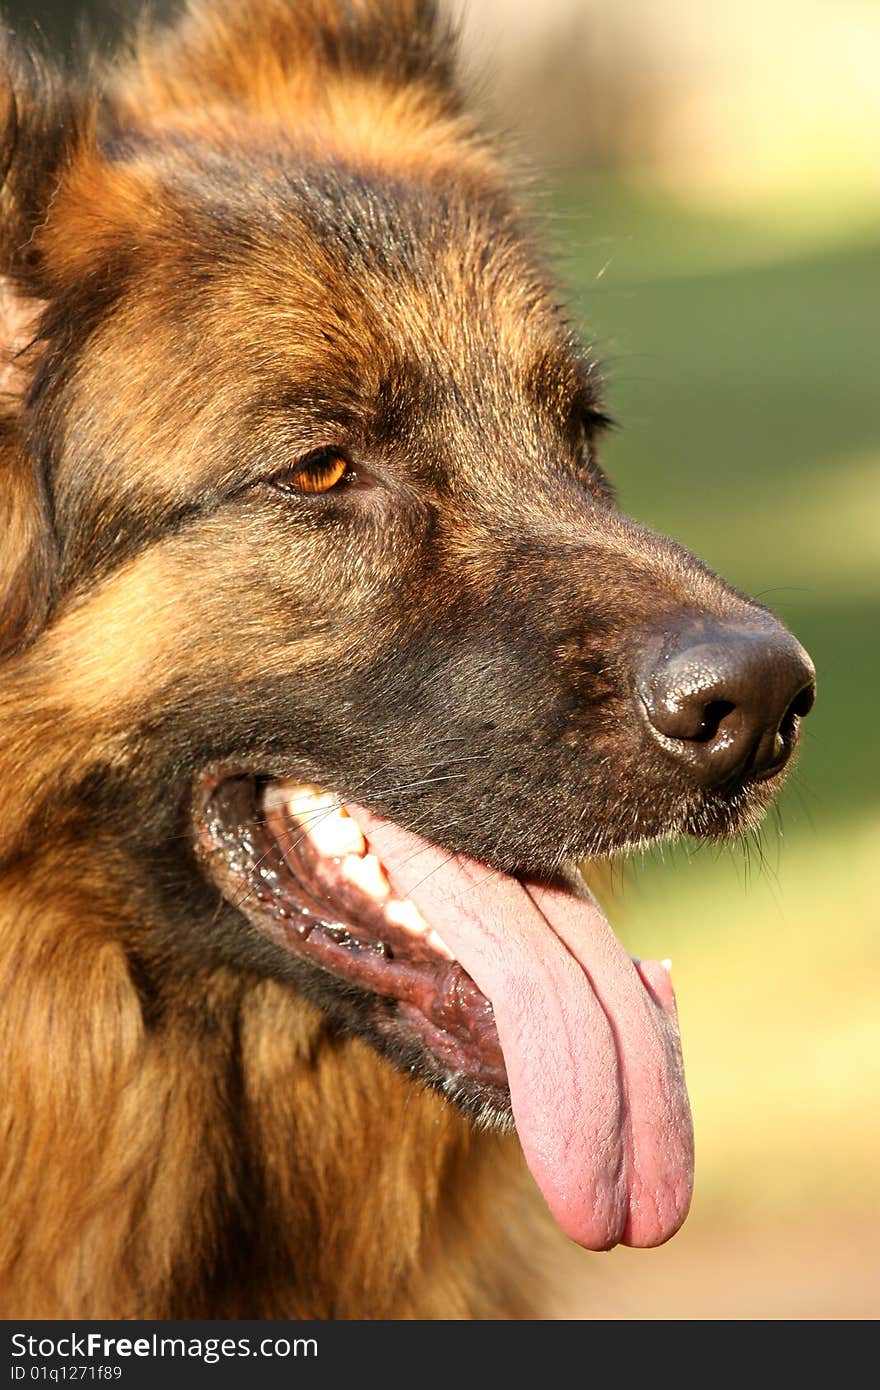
(313, 568)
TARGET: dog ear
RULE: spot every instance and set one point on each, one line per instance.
(45, 119)
(41, 124)
(274, 57)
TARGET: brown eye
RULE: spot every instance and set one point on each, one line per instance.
(318, 472)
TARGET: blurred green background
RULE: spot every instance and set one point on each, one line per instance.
(711, 176)
(743, 355)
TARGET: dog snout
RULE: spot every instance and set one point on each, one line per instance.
(726, 700)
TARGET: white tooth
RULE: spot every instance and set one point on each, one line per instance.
(405, 914)
(438, 944)
(329, 826)
(368, 875)
(306, 803)
(334, 835)
(667, 965)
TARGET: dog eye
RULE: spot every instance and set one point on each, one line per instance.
(317, 472)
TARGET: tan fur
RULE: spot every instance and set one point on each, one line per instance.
(121, 1225)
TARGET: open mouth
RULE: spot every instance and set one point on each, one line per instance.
(517, 992)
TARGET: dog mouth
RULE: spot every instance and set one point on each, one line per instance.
(516, 993)
(294, 859)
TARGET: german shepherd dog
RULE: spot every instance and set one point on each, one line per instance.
(326, 654)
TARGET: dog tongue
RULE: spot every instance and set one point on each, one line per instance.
(590, 1040)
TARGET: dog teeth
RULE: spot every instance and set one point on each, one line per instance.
(667, 966)
(304, 803)
(327, 823)
(368, 875)
(334, 834)
(437, 944)
(403, 913)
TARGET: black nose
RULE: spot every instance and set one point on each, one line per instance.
(727, 700)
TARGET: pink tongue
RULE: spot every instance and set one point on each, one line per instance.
(590, 1040)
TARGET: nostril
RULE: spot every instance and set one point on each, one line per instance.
(787, 727)
(714, 714)
(787, 730)
(800, 706)
(802, 703)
